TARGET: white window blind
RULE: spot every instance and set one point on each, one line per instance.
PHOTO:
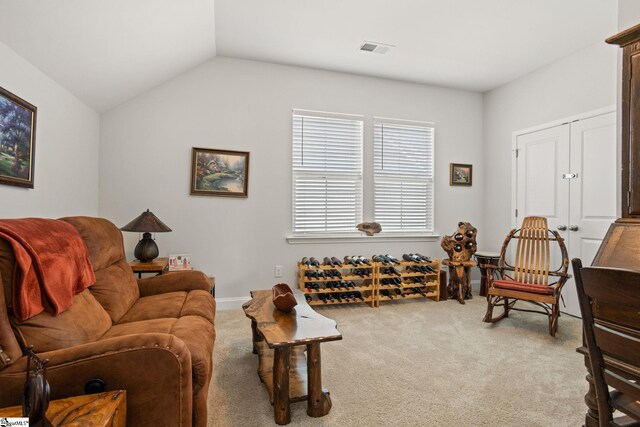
(403, 176)
(327, 173)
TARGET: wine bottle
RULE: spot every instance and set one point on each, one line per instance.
(337, 296)
(344, 296)
(349, 260)
(378, 258)
(330, 298)
(320, 274)
(314, 262)
(364, 260)
(410, 258)
(399, 292)
(357, 260)
(359, 295)
(308, 298)
(392, 259)
(308, 287)
(418, 291)
(315, 286)
(424, 258)
(306, 261)
(336, 261)
(386, 293)
(327, 261)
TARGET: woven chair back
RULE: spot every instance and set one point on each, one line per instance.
(532, 252)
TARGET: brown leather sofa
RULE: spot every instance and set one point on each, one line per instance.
(152, 337)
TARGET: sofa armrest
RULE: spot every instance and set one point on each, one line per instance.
(154, 369)
(172, 282)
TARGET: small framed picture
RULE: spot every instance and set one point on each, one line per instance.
(460, 174)
(180, 262)
(17, 140)
(219, 172)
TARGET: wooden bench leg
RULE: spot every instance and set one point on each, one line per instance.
(281, 408)
(318, 400)
(256, 337)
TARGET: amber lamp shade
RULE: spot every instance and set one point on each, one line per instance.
(146, 250)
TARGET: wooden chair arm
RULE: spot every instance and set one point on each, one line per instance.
(559, 274)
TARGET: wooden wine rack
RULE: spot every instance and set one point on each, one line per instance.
(364, 285)
(370, 287)
(430, 288)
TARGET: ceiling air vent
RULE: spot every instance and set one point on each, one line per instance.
(374, 47)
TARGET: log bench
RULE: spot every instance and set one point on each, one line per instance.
(280, 340)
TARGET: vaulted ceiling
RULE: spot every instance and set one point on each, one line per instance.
(106, 52)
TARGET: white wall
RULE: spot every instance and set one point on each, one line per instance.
(579, 83)
(244, 105)
(67, 139)
(628, 14)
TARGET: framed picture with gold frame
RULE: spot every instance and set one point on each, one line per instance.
(17, 140)
(219, 172)
(460, 174)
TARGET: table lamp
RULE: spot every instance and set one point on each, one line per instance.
(146, 250)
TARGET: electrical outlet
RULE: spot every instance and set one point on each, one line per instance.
(278, 271)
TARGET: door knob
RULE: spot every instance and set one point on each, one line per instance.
(562, 227)
(573, 227)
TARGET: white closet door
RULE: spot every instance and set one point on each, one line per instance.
(592, 192)
(543, 157)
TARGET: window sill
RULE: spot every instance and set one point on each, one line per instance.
(361, 238)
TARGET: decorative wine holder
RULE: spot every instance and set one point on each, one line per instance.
(414, 284)
(460, 246)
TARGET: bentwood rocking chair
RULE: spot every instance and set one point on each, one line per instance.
(528, 279)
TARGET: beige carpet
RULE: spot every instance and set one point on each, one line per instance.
(417, 363)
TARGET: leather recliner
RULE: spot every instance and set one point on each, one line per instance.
(152, 337)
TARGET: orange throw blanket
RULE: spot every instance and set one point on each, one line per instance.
(52, 265)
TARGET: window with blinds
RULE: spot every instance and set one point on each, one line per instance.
(327, 173)
(403, 176)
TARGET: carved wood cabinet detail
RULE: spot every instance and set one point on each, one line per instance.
(629, 40)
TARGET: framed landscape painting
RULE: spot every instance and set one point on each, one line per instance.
(17, 140)
(460, 174)
(219, 172)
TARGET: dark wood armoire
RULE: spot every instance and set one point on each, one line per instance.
(621, 246)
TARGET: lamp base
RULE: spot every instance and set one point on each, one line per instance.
(146, 250)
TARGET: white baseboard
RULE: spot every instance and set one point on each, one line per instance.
(235, 303)
(232, 303)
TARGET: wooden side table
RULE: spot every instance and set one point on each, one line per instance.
(156, 266)
(97, 410)
(484, 259)
(279, 339)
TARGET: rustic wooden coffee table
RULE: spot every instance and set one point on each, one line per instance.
(279, 339)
